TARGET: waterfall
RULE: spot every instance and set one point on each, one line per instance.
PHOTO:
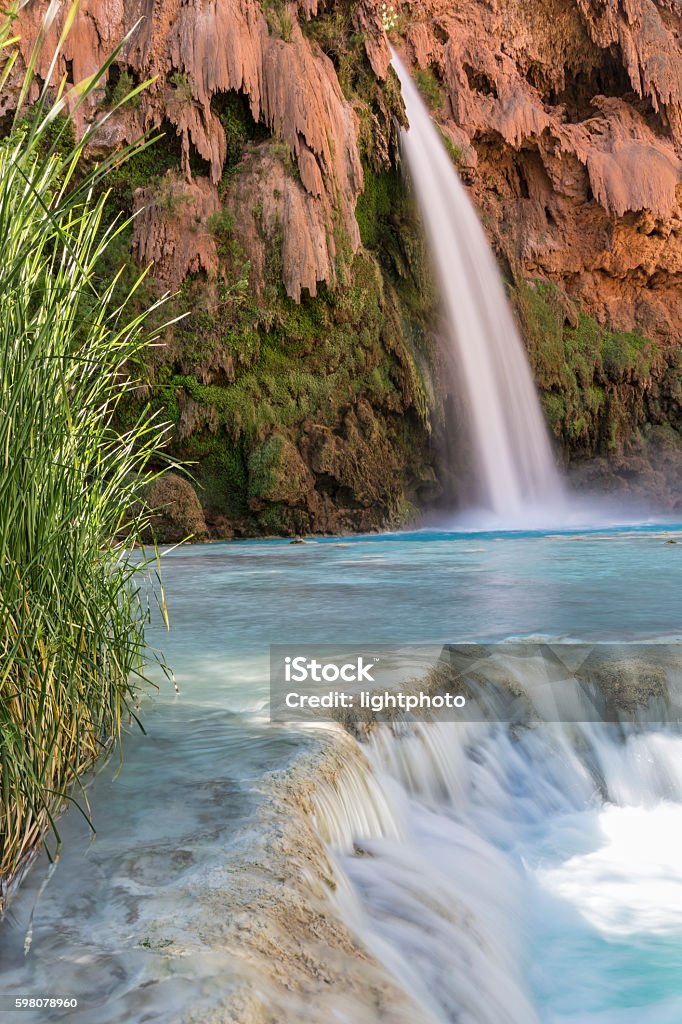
(518, 875)
(513, 467)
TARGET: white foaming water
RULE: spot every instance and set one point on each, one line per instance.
(529, 877)
(514, 469)
(632, 884)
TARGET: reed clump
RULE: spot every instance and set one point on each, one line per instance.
(74, 593)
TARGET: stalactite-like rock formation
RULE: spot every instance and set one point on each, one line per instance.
(199, 50)
(572, 112)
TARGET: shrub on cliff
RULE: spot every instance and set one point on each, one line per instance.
(72, 601)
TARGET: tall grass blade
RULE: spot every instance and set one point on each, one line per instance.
(73, 580)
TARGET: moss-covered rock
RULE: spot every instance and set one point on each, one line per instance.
(177, 512)
(249, 378)
(277, 475)
(324, 424)
(599, 387)
(328, 414)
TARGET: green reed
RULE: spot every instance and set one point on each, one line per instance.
(73, 602)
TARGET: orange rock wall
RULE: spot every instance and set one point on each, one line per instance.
(569, 117)
(212, 47)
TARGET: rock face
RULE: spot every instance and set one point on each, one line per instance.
(197, 51)
(177, 512)
(573, 111)
(305, 382)
(565, 119)
(172, 230)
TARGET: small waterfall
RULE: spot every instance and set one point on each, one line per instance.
(514, 470)
(505, 862)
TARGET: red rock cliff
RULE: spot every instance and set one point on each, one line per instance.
(565, 119)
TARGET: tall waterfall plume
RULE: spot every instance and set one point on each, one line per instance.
(513, 469)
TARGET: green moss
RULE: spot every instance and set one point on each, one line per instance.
(314, 358)
(275, 392)
(625, 354)
(221, 473)
(234, 112)
(592, 380)
(377, 206)
(222, 325)
(555, 410)
(221, 226)
(389, 227)
(275, 521)
(264, 466)
(539, 310)
(426, 81)
(119, 87)
(582, 347)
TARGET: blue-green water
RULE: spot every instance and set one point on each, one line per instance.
(425, 587)
(115, 925)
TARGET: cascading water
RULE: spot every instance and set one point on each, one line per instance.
(528, 876)
(485, 873)
(514, 470)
